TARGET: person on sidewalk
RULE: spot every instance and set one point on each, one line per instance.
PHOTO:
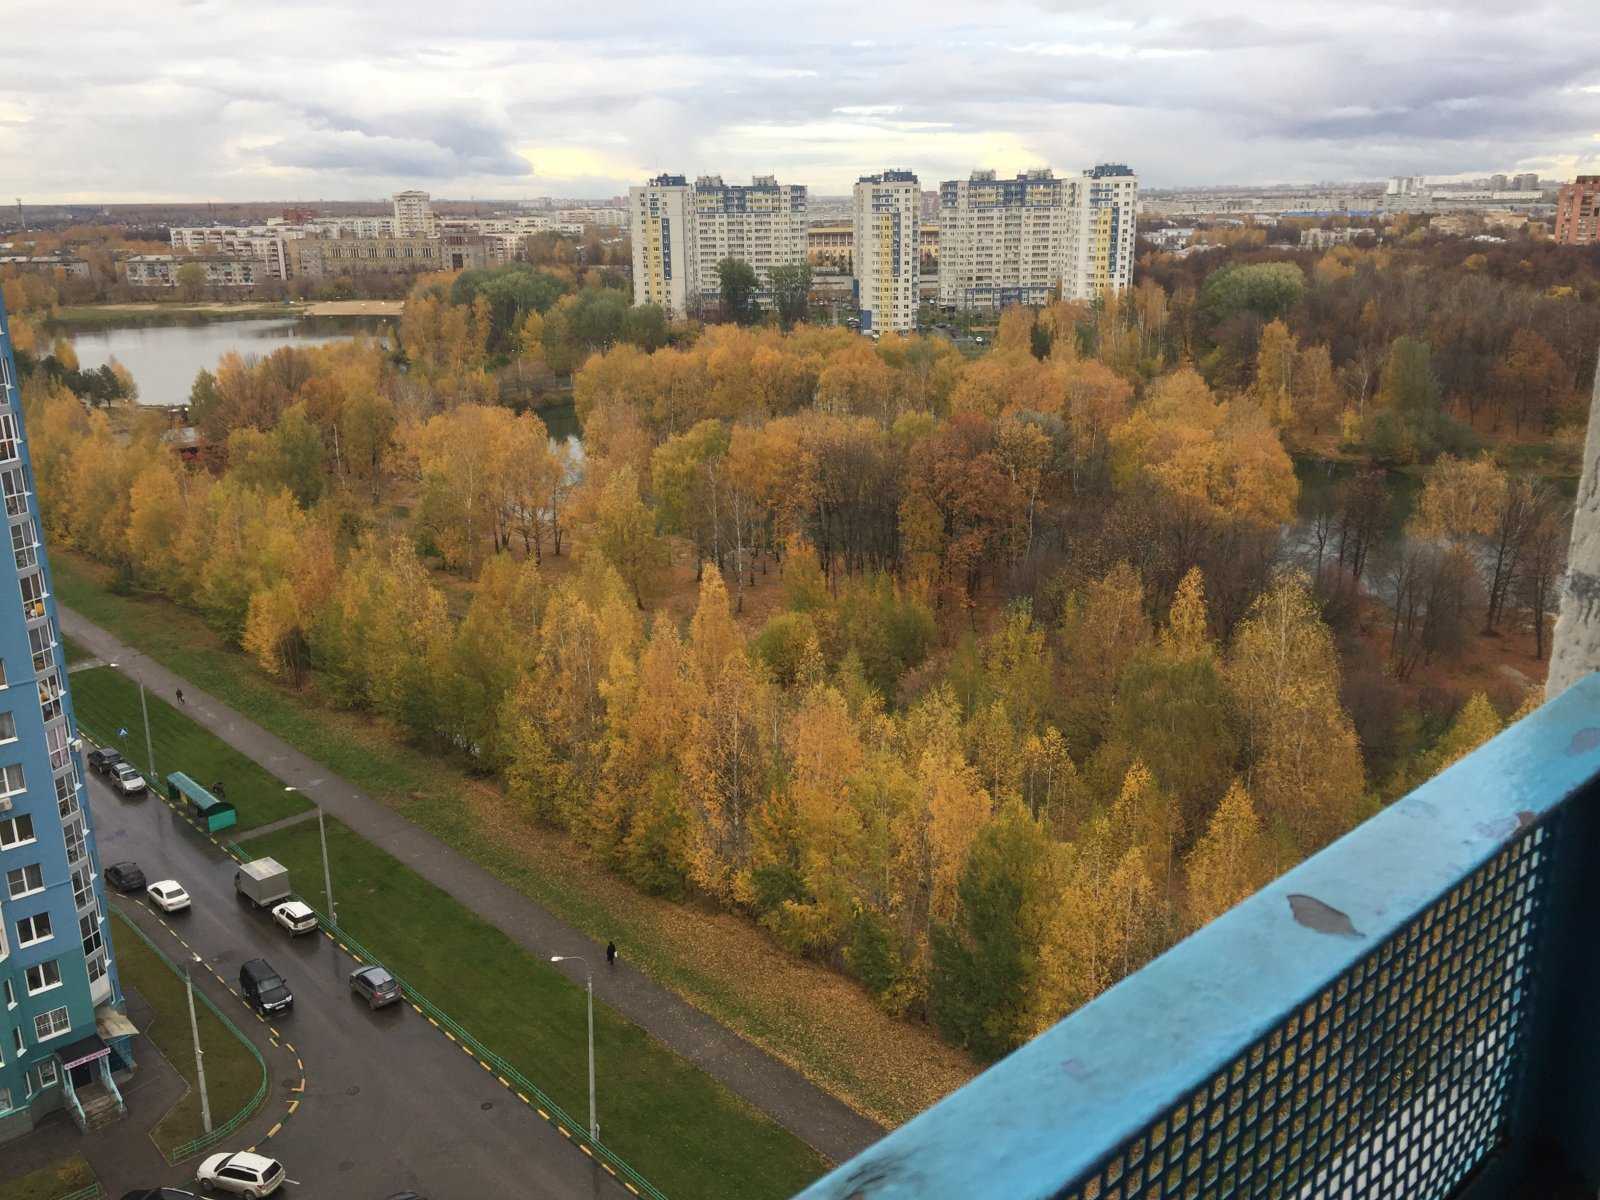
(181, 700)
(611, 954)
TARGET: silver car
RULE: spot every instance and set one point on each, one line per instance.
(375, 985)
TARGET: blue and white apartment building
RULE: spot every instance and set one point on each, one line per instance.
(64, 1038)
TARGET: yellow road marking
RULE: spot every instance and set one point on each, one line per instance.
(564, 1132)
(273, 1131)
(523, 1098)
(275, 1033)
(485, 1065)
(504, 1082)
(542, 1113)
(299, 1087)
(299, 1066)
(293, 1105)
(630, 1187)
(585, 1149)
(289, 1046)
(610, 1170)
(450, 1035)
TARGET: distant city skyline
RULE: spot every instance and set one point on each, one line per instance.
(503, 102)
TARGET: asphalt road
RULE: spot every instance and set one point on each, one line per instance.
(390, 1103)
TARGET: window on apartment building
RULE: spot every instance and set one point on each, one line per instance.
(41, 640)
(67, 793)
(32, 587)
(33, 929)
(8, 727)
(51, 1024)
(17, 1041)
(89, 927)
(42, 977)
(24, 881)
(77, 847)
(11, 995)
(18, 830)
(8, 437)
(82, 887)
(49, 1074)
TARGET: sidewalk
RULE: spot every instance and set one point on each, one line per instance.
(825, 1123)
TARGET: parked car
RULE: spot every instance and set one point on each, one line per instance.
(126, 779)
(296, 917)
(396, 1196)
(102, 758)
(243, 1174)
(168, 895)
(375, 985)
(161, 1193)
(125, 877)
(263, 988)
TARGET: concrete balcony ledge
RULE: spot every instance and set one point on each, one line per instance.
(1406, 1014)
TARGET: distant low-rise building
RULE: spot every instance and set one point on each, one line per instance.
(828, 248)
(66, 266)
(1578, 212)
(162, 270)
(265, 243)
(1326, 239)
(331, 257)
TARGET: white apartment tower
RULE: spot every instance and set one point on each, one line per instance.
(664, 268)
(1036, 237)
(764, 224)
(887, 215)
(413, 215)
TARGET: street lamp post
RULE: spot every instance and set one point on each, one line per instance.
(588, 979)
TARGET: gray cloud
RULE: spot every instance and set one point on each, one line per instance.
(302, 99)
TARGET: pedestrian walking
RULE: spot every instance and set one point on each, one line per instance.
(611, 954)
(181, 700)
(216, 790)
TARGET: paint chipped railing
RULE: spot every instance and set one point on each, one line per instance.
(1404, 1014)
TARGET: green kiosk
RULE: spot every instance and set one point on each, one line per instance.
(211, 812)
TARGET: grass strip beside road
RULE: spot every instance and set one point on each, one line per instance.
(107, 702)
(233, 1074)
(50, 1183)
(685, 1132)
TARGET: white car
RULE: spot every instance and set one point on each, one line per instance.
(168, 895)
(127, 780)
(243, 1174)
(296, 917)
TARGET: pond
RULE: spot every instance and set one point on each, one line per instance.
(164, 359)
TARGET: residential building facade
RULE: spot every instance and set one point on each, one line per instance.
(1030, 239)
(664, 268)
(413, 215)
(763, 224)
(161, 270)
(265, 243)
(329, 258)
(64, 1035)
(1578, 212)
(887, 224)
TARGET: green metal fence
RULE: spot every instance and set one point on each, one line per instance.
(93, 1192)
(206, 1140)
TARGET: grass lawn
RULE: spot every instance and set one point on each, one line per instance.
(107, 701)
(684, 1131)
(74, 652)
(232, 1073)
(48, 1183)
(807, 1015)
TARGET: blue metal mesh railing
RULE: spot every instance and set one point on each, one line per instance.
(1393, 1081)
(1405, 1014)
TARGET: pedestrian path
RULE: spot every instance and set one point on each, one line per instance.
(821, 1120)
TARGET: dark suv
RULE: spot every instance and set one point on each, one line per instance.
(263, 988)
(125, 877)
(101, 759)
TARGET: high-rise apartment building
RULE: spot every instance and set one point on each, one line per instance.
(413, 215)
(1578, 212)
(887, 220)
(1035, 237)
(681, 232)
(64, 1038)
(764, 224)
(664, 270)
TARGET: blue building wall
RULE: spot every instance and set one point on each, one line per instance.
(49, 868)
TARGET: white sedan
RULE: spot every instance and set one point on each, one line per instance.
(243, 1174)
(296, 917)
(168, 895)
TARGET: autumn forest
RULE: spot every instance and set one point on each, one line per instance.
(983, 677)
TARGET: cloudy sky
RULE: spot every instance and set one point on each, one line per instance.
(283, 99)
